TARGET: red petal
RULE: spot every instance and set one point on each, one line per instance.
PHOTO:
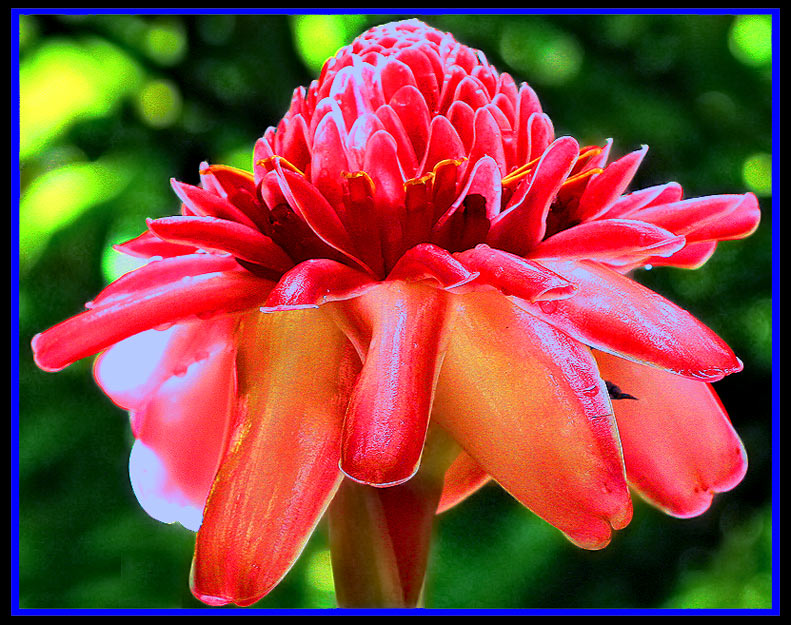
(523, 224)
(205, 203)
(329, 158)
(608, 186)
(409, 105)
(527, 404)
(628, 204)
(96, 329)
(315, 282)
(444, 143)
(513, 275)
(488, 140)
(220, 235)
(678, 443)
(690, 257)
(147, 246)
(423, 73)
(406, 153)
(616, 314)
(704, 218)
(314, 209)
(427, 261)
(388, 413)
(381, 164)
(157, 273)
(281, 467)
(609, 239)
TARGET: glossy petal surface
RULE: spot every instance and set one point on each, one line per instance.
(527, 404)
(281, 468)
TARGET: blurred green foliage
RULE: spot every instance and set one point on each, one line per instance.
(112, 106)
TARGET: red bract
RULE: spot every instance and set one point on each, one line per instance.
(414, 256)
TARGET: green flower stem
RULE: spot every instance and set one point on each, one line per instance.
(380, 537)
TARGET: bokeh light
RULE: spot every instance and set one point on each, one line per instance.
(750, 39)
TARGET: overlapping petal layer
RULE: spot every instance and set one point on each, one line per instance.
(414, 251)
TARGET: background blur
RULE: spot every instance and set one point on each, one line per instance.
(112, 106)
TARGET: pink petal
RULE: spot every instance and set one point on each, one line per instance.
(197, 296)
(385, 425)
(678, 443)
(181, 434)
(526, 403)
(616, 314)
(131, 371)
(281, 466)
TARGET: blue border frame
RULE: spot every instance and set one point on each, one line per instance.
(15, 187)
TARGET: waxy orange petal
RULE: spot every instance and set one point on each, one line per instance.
(294, 373)
(527, 404)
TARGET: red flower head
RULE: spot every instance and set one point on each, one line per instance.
(415, 257)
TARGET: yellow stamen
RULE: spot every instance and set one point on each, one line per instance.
(269, 160)
(356, 175)
(520, 172)
(582, 175)
(213, 169)
(424, 180)
(589, 151)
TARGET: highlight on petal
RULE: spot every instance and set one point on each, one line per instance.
(181, 434)
(280, 470)
(679, 446)
(512, 382)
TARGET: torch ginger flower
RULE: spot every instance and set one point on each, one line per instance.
(414, 258)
